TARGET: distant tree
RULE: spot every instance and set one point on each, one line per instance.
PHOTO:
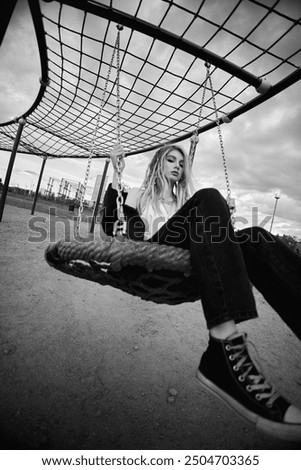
(292, 242)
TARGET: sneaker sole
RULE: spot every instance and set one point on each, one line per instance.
(283, 431)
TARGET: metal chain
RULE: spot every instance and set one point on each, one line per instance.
(118, 125)
(194, 139)
(230, 200)
(120, 224)
(92, 148)
(207, 65)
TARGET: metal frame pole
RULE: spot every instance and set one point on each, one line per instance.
(38, 186)
(22, 123)
(95, 210)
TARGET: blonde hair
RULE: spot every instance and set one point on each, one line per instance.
(154, 181)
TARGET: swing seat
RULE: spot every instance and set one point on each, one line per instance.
(153, 272)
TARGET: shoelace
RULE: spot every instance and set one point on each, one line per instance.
(264, 390)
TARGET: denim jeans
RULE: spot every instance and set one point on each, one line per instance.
(228, 263)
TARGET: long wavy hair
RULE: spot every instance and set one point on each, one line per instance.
(155, 180)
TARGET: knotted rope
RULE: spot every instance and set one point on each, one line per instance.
(118, 254)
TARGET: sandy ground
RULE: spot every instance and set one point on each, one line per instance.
(88, 367)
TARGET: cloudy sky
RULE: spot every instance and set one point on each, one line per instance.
(262, 146)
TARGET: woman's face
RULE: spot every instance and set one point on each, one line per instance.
(173, 166)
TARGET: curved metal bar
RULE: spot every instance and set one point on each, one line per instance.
(160, 34)
(44, 80)
(165, 36)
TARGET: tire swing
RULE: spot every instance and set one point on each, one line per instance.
(158, 273)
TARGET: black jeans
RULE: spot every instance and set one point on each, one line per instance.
(228, 263)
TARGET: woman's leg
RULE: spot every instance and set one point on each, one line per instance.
(203, 226)
(275, 270)
(226, 367)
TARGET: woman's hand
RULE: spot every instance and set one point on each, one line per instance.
(116, 152)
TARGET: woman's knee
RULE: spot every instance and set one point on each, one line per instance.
(254, 235)
(208, 193)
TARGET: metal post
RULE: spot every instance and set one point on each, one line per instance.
(95, 210)
(275, 206)
(38, 186)
(22, 123)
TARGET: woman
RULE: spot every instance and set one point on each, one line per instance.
(165, 210)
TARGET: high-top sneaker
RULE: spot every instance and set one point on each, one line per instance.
(227, 370)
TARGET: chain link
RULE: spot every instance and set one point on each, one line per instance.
(93, 145)
(120, 224)
(230, 200)
(194, 140)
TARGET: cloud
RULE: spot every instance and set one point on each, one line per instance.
(27, 172)
(266, 153)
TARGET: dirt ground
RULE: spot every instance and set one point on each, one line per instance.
(90, 367)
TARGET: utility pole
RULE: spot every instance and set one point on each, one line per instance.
(277, 197)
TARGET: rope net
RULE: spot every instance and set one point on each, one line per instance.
(161, 84)
(153, 272)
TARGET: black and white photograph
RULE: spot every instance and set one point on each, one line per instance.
(150, 231)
